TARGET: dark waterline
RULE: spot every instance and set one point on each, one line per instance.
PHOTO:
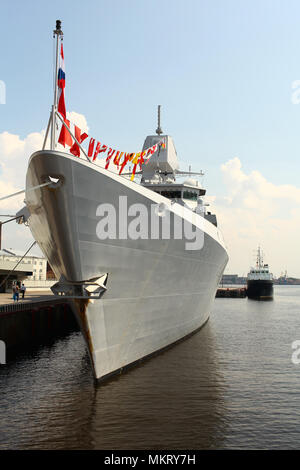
(231, 385)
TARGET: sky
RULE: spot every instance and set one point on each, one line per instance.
(225, 73)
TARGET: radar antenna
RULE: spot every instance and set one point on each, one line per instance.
(158, 130)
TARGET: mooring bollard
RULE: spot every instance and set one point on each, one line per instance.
(2, 352)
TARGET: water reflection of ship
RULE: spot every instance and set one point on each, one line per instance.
(180, 404)
(176, 400)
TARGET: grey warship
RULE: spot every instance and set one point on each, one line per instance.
(132, 296)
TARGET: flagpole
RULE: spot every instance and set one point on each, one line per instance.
(47, 131)
(58, 33)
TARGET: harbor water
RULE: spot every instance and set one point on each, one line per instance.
(231, 385)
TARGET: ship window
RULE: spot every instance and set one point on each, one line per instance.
(190, 195)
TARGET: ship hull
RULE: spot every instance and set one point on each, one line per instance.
(157, 291)
(260, 289)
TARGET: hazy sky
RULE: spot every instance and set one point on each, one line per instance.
(223, 72)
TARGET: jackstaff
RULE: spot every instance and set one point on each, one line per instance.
(59, 36)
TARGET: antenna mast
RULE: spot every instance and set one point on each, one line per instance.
(259, 260)
(158, 130)
(59, 36)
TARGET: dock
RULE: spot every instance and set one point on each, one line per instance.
(232, 292)
(38, 318)
(30, 297)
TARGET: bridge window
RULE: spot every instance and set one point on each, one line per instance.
(171, 194)
(190, 195)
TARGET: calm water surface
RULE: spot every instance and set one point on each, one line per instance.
(231, 385)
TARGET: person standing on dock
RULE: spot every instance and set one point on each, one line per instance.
(17, 292)
(14, 292)
(23, 290)
(15, 289)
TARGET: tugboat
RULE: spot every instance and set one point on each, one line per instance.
(260, 280)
